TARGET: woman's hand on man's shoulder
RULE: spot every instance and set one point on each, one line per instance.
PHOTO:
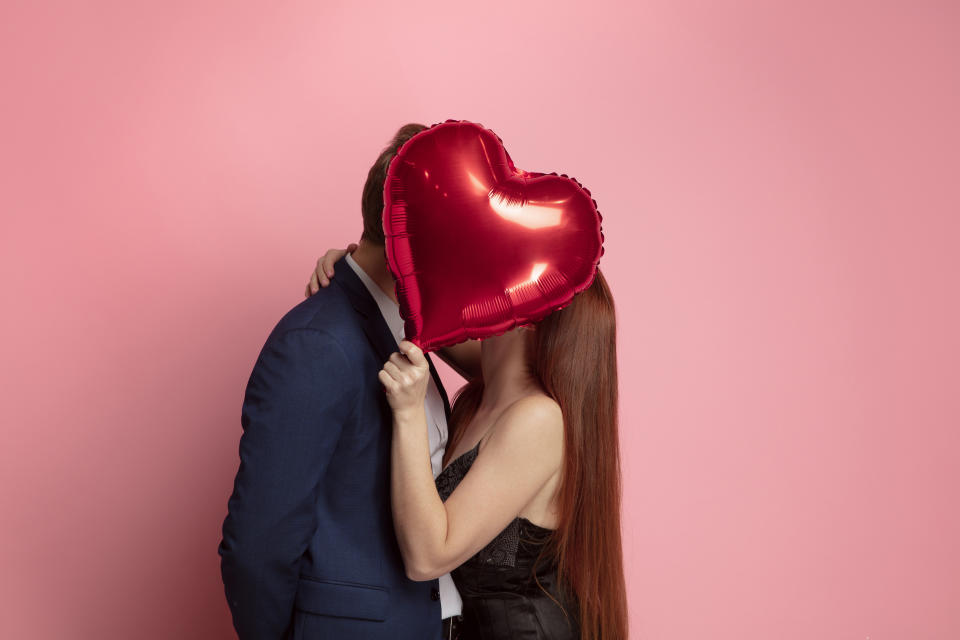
(324, 270)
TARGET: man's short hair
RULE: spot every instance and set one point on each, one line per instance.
(372, 201)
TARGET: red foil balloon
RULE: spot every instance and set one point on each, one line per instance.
(478, 246)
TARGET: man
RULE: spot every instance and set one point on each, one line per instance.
(308, 549)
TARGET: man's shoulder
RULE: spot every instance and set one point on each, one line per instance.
(324, 329)
(328, 310)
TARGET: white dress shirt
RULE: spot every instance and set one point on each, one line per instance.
(450, 603)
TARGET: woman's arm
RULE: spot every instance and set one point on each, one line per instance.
(464, 358)
(523, 452)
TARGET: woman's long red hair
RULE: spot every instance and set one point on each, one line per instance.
(573, 353)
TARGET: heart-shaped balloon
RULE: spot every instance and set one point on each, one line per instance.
(476, 245)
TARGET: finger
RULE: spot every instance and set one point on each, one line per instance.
(319, 277)
(387, 381)
(413, 353)
(331, 256)
(306, 291)
(400, 360)
(352, 247)
(403, 377)
(393, 370)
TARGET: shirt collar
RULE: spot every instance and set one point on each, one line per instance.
(389, 309)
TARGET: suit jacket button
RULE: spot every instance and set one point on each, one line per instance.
(434, 594)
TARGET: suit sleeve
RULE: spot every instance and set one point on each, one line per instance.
(297, 400)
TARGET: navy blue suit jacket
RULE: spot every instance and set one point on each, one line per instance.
(309, 549)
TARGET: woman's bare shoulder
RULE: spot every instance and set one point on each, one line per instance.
(538, 406)
(532, 421)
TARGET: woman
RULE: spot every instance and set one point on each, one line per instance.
(526, 512)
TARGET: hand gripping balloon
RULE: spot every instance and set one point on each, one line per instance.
(477, 246)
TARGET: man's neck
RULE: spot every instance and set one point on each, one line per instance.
(371, 258)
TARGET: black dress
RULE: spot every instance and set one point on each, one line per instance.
(501, 597)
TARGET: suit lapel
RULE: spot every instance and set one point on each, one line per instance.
(378, 333)
(439, 383)
(374, 325)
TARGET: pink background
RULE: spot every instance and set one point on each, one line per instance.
(780, 198)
